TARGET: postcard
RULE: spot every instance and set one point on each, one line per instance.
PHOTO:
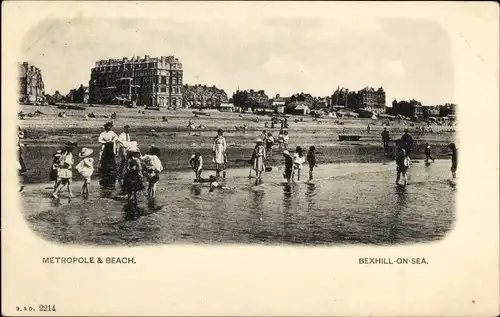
(250, 158)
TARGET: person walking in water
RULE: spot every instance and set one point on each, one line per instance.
(219, 153)
(152, 169)
(385, 139)
(122, 144)
(428, 153)
(64, 173)
(196, 163)
(311, 159)
(108, 136)
(407, 143)
(286, 140)
(280, 140)
(454, 159)
(258, 156)
(298, 160)
(287, 174)
(86, 169)
(402, 162)
(269, 144)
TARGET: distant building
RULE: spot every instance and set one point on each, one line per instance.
(226, 107)
(150, 81)
(299, 108)
(80, 95)
(31, 86)
(199, 96)
(278, 101)
(339, 97)
(410, 109)
(372, 100)
(258, 97)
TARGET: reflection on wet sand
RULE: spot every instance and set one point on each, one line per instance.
(350, 204)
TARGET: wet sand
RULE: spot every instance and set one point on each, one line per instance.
(345, 204)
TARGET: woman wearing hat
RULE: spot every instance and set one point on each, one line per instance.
(219, 152)
(64, 173)
(85, 168)
(108, 156)
(258, 156)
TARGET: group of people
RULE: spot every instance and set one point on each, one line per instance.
(403, 151)
(120, 159)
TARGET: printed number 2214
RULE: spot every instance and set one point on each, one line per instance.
(47, 307)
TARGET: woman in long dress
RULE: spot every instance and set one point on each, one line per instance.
(258, 156)
(219, 153)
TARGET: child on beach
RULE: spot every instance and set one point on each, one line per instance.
(402, 163)
(298, 160)
(269, 143)
(454, 159)
(428, 153)
(311, 159)
(152, 169)
(287, 174)
(56, 160)
(258, 156)
(216, 185)
(64, 173)
(86, 169)
(133, 180)
(196, 163)
(280, 140)
(286, 139)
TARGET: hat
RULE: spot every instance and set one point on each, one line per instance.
(406, 130)
(133, 147)
(70, 143)
(258, 141)
(108, 124)
(126, 127)
(286, 152)
(220, 131)
(85, 152)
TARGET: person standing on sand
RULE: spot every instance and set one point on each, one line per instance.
(428, 153)
(258, 156)
(108, 168)
(107, 136)
(385, 139)
(280, 140)
(86, 169)
(64, 173)
(402, 163)
(219, 152)
(56, 161)
(286, 140)
(454, 159)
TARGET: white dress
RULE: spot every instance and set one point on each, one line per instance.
(219, 147)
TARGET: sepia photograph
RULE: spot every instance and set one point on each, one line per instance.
(323, 126)
(159, 132)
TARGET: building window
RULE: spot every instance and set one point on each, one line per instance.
(163, 89)
(174, 82)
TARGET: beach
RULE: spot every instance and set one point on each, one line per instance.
(47, 132)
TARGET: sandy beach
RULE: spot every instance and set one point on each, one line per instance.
(47, 132)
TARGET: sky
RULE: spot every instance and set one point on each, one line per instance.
(409, 58)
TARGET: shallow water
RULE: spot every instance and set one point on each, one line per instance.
(346, 203)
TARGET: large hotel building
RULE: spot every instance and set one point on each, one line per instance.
(149, 81)
(31, 87)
